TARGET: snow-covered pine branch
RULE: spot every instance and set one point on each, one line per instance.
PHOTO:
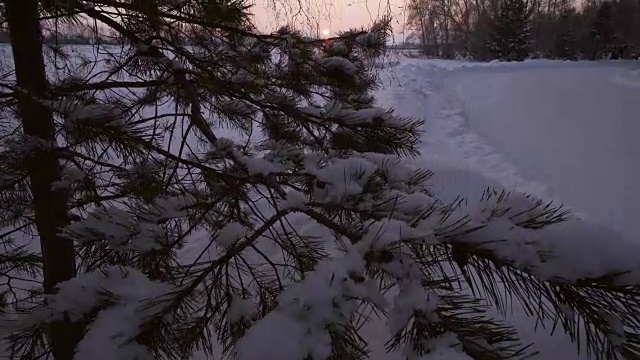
(289, 237)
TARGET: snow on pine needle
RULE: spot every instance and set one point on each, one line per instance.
(78, 114)
(121, 296)
(282, 242)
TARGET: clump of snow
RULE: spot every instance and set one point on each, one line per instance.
(111, 331)
(88, 114)
(70, 174)
(337, 63)
(96, 112)
(398, 173)
(342, 178)
(411, 297)
(580, 249)
(335, 109)
(171, 207)
(297, 328)
(259, 166)
(295, 200)
(382, 233)
(570, 250)
(255, 164)
(231, 233)
(280, 337)
(364, 116)
(121, 229)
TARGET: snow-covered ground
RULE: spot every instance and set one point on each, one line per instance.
(557, 130)
(561, 131)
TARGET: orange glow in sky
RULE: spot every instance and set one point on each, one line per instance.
(325, 15)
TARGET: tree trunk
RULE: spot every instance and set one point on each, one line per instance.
(50, 206)
(594, 48)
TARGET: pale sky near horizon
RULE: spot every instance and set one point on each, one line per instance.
(326, 15)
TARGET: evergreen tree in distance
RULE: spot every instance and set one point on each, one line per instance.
(207, 188)
(511, 31)
(566, 40)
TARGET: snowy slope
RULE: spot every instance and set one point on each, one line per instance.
(419, 88)
(558, 130)
(573, 128)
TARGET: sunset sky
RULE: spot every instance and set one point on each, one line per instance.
(327, 15)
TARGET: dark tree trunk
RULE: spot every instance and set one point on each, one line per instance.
(50, 206)
(594, 49)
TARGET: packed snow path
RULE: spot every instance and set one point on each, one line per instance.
(419, 88)
(558, 130)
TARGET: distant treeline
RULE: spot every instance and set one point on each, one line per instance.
(518, 29)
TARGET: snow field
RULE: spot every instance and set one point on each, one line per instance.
(561, 131)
